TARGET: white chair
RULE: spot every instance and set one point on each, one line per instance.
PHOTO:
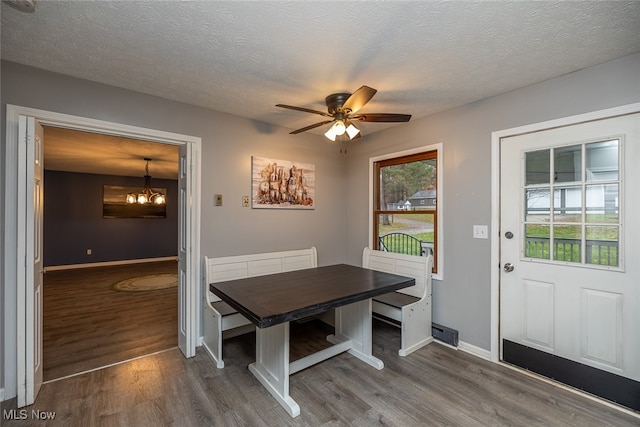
(223, 321)
(408, 308)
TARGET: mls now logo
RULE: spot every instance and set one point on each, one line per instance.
(23, 414)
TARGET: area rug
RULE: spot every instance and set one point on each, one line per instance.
(151, 282)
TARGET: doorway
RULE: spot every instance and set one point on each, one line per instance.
(21, 331)
(565, 286)
(88, 323)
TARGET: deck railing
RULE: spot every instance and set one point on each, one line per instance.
(600, 252)
(402, 243)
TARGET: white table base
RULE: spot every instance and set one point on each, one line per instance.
(272, 367)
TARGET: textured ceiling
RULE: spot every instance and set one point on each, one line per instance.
(243, 57)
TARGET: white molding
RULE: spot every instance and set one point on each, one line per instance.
(474, 350)
(495, 198)
(11, 216)
(108, 263)
(438, 147)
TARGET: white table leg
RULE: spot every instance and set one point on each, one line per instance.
(353, 322)
(272, 364)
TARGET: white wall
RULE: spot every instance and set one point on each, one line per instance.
(462, 299)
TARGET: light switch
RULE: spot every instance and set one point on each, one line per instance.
(480, 231)
(218, 199)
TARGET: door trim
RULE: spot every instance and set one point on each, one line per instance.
(495, 198)
(11, 240)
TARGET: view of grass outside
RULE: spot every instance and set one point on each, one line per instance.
(601, 242)
(406, 231)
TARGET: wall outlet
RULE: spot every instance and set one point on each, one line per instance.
(88, 251)
(480, 231)
(245, 201)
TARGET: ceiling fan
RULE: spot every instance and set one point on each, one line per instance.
(343, 111)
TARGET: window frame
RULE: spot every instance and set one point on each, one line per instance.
(438, 222)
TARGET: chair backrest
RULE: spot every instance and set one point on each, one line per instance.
(418, 267)
(241, 266)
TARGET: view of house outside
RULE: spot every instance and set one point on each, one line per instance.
(572, 204)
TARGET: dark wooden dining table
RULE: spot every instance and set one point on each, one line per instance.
(272, 301)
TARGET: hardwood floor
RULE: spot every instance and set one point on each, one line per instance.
(87, 325)
(435, 386)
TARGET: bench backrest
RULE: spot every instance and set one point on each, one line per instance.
(241, 266)
(418, 267)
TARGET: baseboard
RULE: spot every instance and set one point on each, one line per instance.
(108, 263)
(474, 350)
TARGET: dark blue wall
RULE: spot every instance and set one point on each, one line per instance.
(73, 222)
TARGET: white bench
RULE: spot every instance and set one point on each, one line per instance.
(223, 321)
(409, 308)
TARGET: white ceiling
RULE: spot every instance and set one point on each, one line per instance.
(243, 57)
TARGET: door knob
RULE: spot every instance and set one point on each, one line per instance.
(508, 267)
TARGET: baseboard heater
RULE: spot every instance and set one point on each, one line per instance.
(439, 332)
(444, 334)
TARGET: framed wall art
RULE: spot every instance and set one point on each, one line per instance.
(282, 184)
(114, 204)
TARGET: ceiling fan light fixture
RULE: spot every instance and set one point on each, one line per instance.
(330, 134)
(352, 131)
(337, 129)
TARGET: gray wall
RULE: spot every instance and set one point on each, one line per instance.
(228, 142)
(462, 299)
(338, 227)
(73, 221)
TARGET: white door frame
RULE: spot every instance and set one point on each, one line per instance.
(13, 242)
(495, 199)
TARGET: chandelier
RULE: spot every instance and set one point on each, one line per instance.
(147, 195)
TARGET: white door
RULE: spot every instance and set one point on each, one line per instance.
(570, 277)
(186, 307)
(30, 222)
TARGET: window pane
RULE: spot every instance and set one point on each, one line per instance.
(537, 241)
(602, 244)
(567, 164)
(602, 161)
(408, 186)
(602, 203)
(538, 165)
(567, 204)
(567, 240)
(406, 233)
(538, 205)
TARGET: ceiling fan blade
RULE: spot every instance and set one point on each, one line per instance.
(357, 100)
(382, 117)
(305, 110)
(304, 129)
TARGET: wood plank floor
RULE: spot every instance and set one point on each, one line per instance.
(87, 325)
(435, 386)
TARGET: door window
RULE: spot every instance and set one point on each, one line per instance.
(572, 204)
